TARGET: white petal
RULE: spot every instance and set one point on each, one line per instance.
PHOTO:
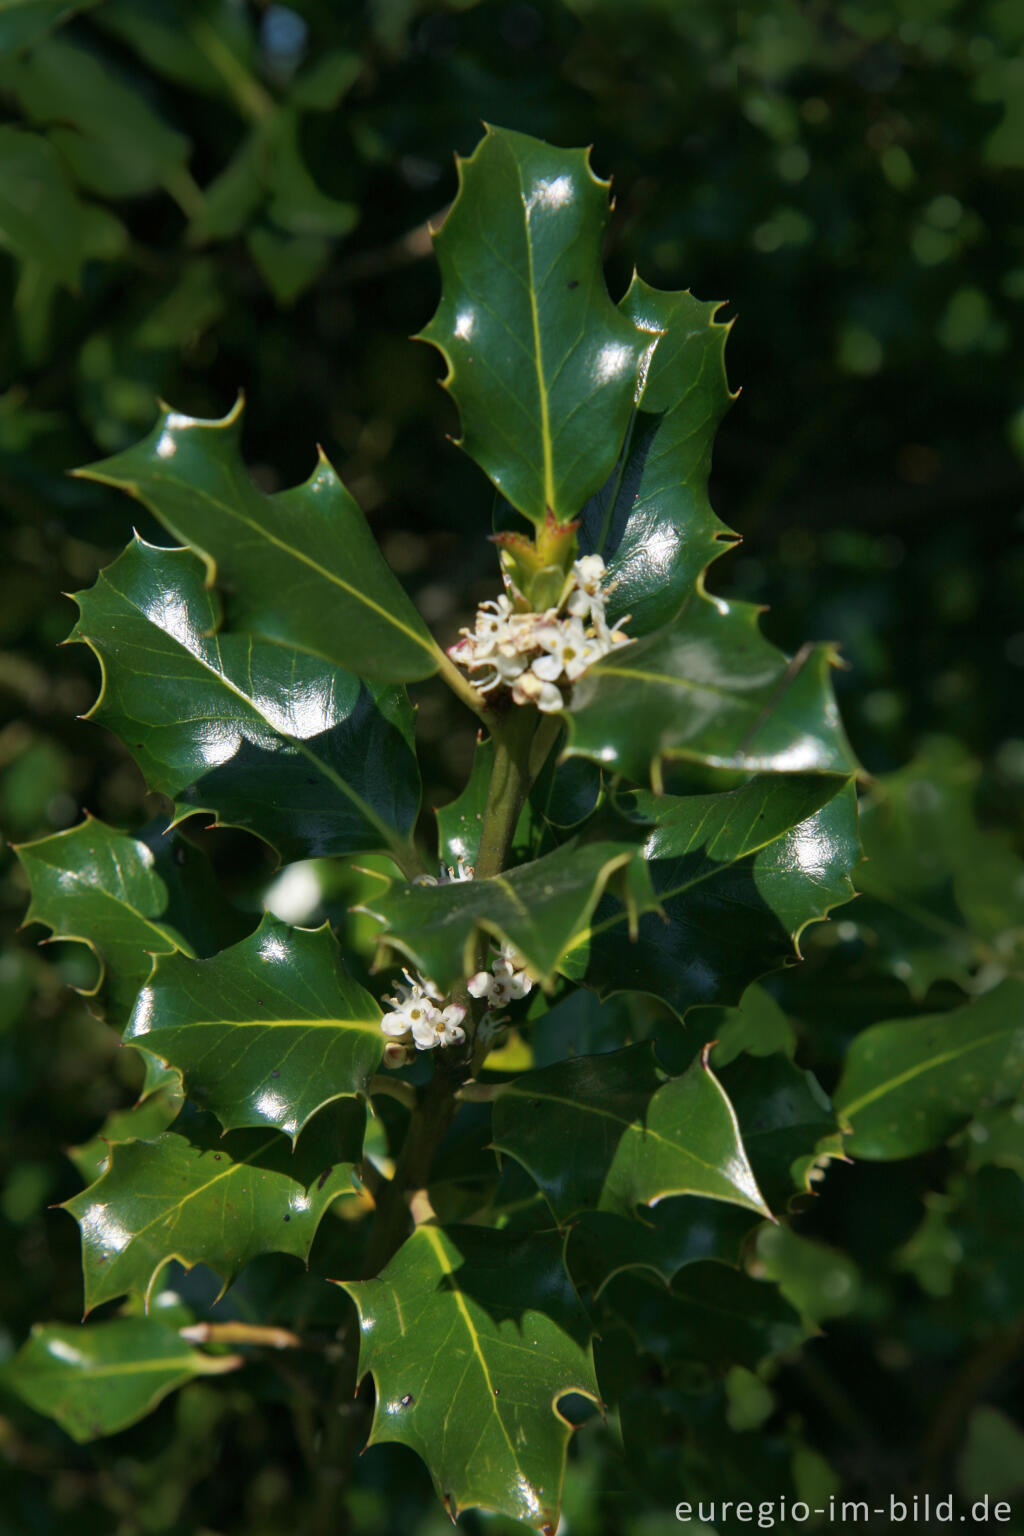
(548, 668)
(425, 1035)
(480, 984)
(550, 699)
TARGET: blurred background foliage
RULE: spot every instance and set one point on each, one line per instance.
(202, 195)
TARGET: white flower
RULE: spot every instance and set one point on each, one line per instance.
(530, 689)
(589, 572)
(568, 651)
(538, 655)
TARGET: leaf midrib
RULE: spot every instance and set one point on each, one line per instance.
(920, 1068)
(325, 770)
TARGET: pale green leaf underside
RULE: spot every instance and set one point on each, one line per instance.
(910, 1083)
(98, 1379)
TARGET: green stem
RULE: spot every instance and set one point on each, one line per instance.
(508, 789)
(463, 688)
(427, 1128)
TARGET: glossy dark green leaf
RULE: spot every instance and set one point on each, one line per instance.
(708, 688)
(472, 1337)
(100, 887)
(539, 907)
(910, 1083)
(788, 1125)
(710, 1312)
(671, 1235)
(194, 1195)
(264, 737)
(652, 520)
(265, 1033)
(607, 1133)
(739, 876)
(98, 1379)
(301, 566)
(941, 895)
(540, 363)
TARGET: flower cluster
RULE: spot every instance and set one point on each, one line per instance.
(506, 980)
(538, 655)
(419, 1014)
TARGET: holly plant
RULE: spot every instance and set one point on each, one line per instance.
(483, 1108)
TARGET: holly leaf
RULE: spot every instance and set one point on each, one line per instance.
(710, 1312)
(301, 566)
(709, 688)
(909, 1084)
(194, 1195)
(261, 736)
(738, 875)
(265, 1033)
(652, 520)
(97, 1380)
(472, 1337)
(671, 1235)
(541, 364)
(787, 1122)
(96, 886)
(539, 907)
(607, 1133)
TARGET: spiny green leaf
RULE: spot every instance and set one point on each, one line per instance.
(100, 887)
(265, 1033)
(472, 1337)
(607, 1133)
(652, 520)
(909, 1084)
(788, 1125)
(194, 1195)
(539, 907)
(264, 737)
(710, 1312)
(709, 688)
(301, 566)
(98, 1379)
(739, 875)
(540, 363)
(672, 1234)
